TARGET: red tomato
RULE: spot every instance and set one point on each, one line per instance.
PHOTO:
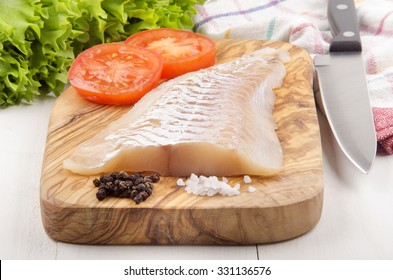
(115, 73)
(182, 51)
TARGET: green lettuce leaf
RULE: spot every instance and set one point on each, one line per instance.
(39, 39)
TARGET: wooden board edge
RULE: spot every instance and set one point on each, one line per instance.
(194, 227)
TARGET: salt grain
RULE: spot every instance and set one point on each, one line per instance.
(180, 182)
(247, 179)
(251, 189)
(209, 186)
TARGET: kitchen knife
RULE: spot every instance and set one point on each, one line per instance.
(343, 93)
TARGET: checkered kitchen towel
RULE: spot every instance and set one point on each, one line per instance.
(304, 23)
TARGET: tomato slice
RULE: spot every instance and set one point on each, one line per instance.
(115, 73)
(182, 51)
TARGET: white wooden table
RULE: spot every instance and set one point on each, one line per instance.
(356, 223)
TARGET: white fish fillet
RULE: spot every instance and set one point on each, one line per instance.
(216, 121)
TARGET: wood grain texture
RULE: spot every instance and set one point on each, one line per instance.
(283, 207)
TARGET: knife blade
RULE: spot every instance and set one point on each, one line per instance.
(343, 93)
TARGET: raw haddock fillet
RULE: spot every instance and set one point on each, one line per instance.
(216, 121)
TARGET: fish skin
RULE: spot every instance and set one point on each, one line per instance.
(215, 121)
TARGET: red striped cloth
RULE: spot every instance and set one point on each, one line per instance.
(304, 23)
(383, 120)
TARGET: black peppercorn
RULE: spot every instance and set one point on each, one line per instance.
(106, 178)
(140, 187)
(155, 177)
(132, 177)
(101, 194)
(149, 191)
(149, 185)
(128, 184)
(122, 175)
(144, 195)
(96, 182)
(136, 186)
(138, 198)
(116, 191)
(133, 194)
(122, 185)
(138, 180)
(147, 179)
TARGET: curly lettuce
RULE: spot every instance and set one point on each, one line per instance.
(39, 39)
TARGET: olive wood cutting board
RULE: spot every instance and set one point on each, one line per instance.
(284, 206)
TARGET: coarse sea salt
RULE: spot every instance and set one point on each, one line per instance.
(209, 186)
(251, 189)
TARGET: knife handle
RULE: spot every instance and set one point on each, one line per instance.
(344, 25)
